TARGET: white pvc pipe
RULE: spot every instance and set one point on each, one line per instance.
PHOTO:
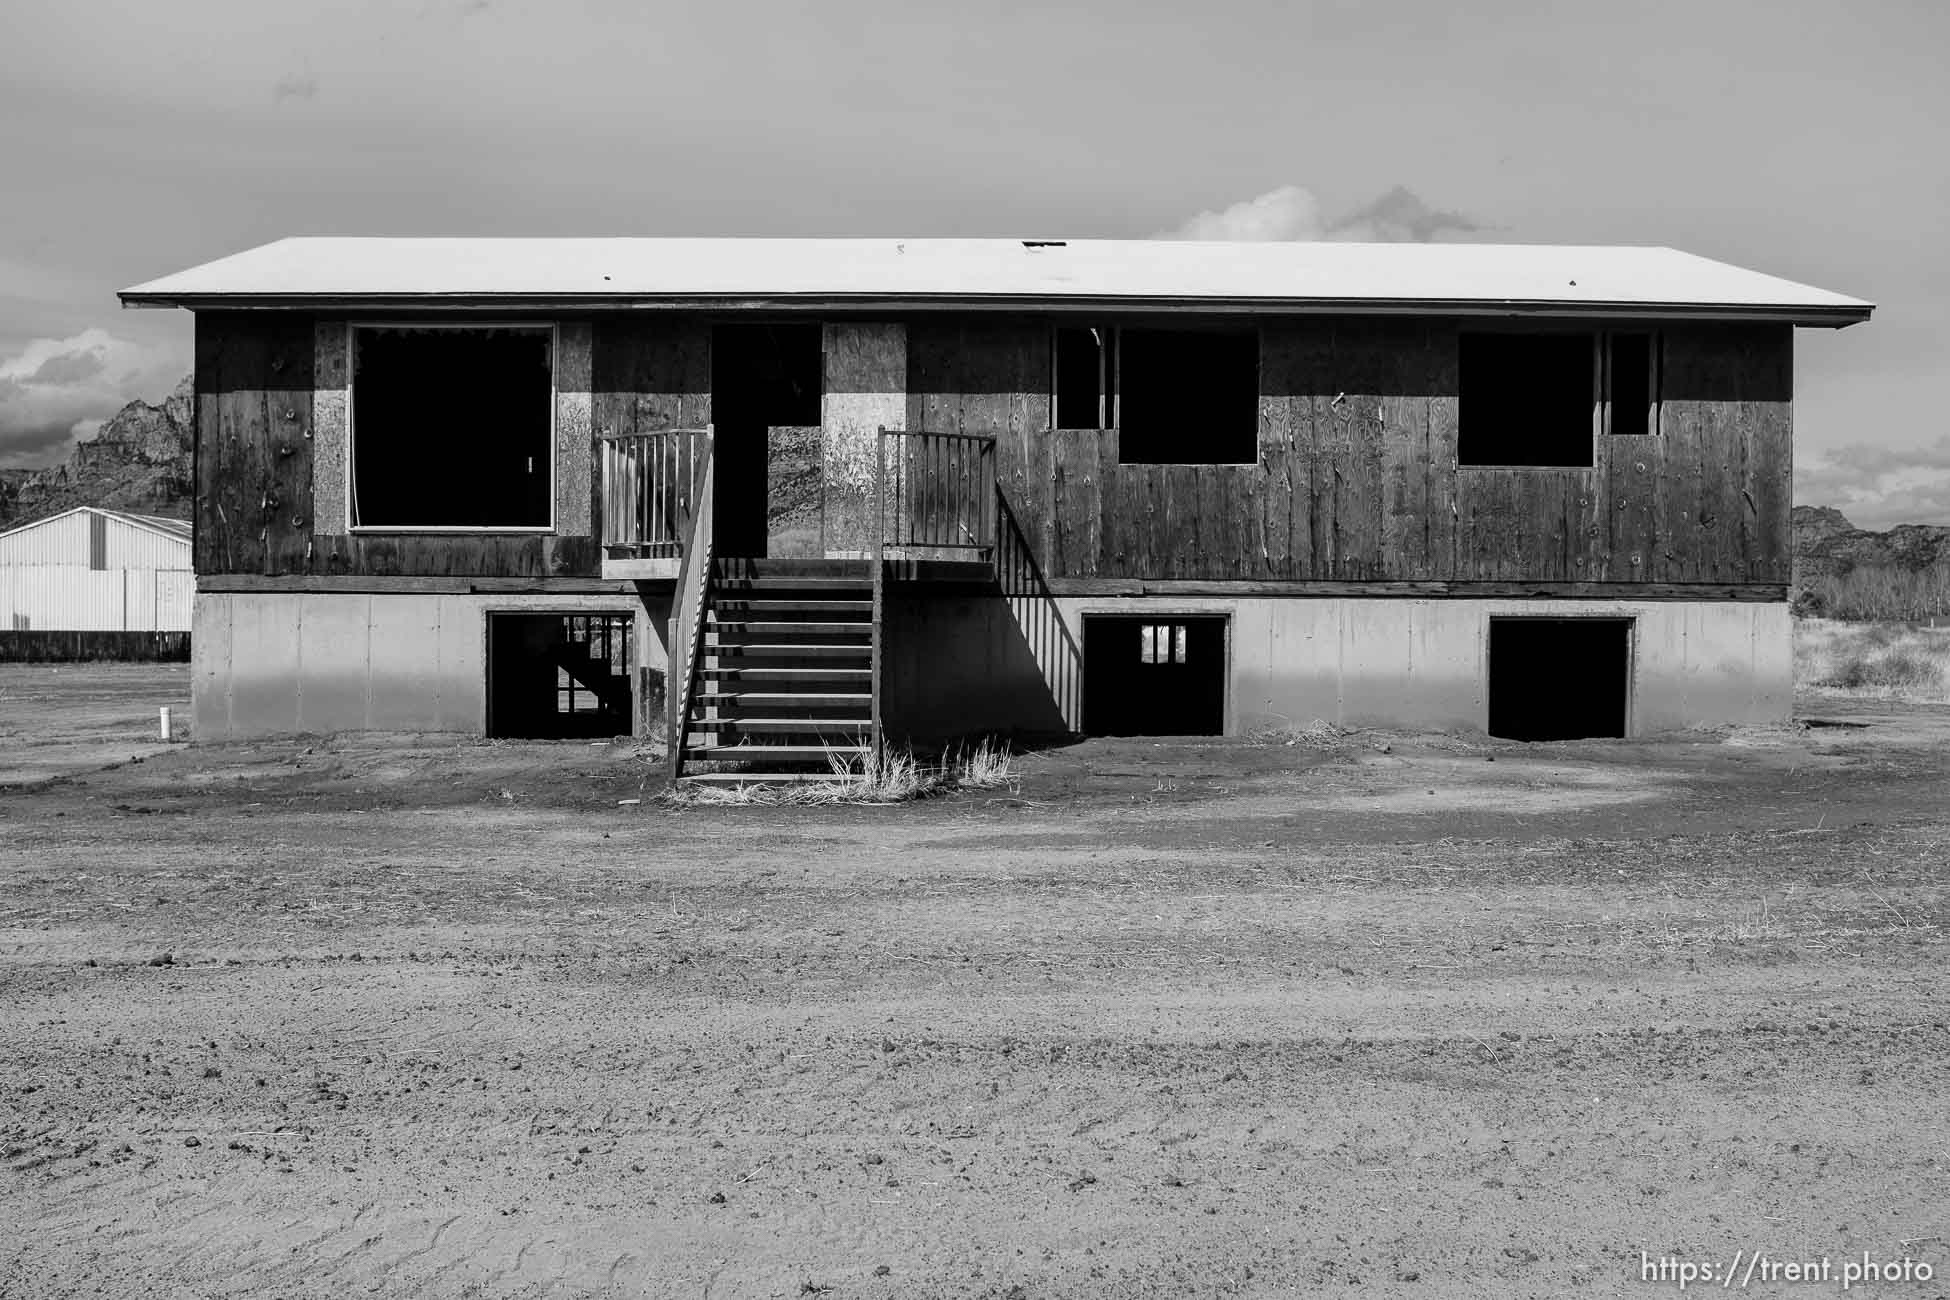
(165, 722)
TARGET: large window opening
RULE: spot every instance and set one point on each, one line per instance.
(1188, 397)
(1526, 400)
(1559, 678)
(1154, 675)
(559, 676)
(452, 428)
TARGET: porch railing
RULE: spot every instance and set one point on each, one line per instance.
(937, 492)
(650, 490)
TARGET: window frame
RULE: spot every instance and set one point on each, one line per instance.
(1109, 378)
(1655, 381)
(1110, 393)
(353, 527)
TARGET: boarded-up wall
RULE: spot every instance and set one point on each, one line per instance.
(1358, 477)
(273, 435)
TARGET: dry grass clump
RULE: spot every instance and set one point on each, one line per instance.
(1318, 734)
(1879, 660)
(885, 776)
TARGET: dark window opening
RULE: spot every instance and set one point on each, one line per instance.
(97, 543)
(452, 428)
(1187, 397)
(1144, 677)
(766, 378)
(1086, 377)
(1526, 400)
(559, 676)
(1632, 375)
(1559, 678)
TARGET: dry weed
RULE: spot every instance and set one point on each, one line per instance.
(1872, 660)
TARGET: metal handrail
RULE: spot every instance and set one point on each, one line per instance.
(691, 598)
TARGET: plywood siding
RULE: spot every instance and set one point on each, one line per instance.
(1358, 479)
(271, 437)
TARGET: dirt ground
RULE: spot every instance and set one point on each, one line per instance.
(1372, 1014)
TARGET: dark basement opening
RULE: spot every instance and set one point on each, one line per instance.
(1154, 675)
(1559, 678)
(452, 427)
(559, 676)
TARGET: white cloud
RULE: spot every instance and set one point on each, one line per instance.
(1288, 212)
(54, 391)
(1878, 487)
(1291, 212)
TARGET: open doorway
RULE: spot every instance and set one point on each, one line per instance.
(766, 377)
(1154, 674)
(559, 676)
(1559, 678)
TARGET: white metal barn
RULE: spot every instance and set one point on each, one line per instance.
(94, 570)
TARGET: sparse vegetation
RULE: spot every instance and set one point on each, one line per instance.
(1872, 659)
(887, 776)
(1865, 592)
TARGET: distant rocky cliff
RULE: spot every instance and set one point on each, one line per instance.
(141, 460)
(1826, 543)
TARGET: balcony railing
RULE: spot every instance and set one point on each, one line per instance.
(651, 486)
(937, 493)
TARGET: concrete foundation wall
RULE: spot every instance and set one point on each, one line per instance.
(987, 664)
(953, 666)
(279, 663)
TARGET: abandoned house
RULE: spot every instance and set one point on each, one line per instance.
(781, 498)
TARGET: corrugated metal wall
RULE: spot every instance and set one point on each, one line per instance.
(86, 572)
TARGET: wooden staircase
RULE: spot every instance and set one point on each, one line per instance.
(785, 668)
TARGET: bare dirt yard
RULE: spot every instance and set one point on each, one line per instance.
(1369, 1014)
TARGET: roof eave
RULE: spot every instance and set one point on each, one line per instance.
(1831, 315)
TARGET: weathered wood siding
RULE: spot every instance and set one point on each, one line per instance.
(265, 385)
(1358, 478)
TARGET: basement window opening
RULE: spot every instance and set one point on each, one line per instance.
(1632, 384)
(560, 676)
(1527, 400)
(1559, 678)
(1187, 397)
(1162, 643)
(1144, 677)
(452, 428)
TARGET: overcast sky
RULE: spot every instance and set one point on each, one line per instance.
(1805, 138)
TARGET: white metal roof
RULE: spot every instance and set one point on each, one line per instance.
(134, 541)
(1058, 274)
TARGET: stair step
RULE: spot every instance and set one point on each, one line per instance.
(781, 725)
(772, 753)
(792, 605)
(755, 628)
(777, 650)
(747, 587)
(787, 676)
(786, 699)
(754, 778)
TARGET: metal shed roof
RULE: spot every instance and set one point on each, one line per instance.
(1004, 273)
